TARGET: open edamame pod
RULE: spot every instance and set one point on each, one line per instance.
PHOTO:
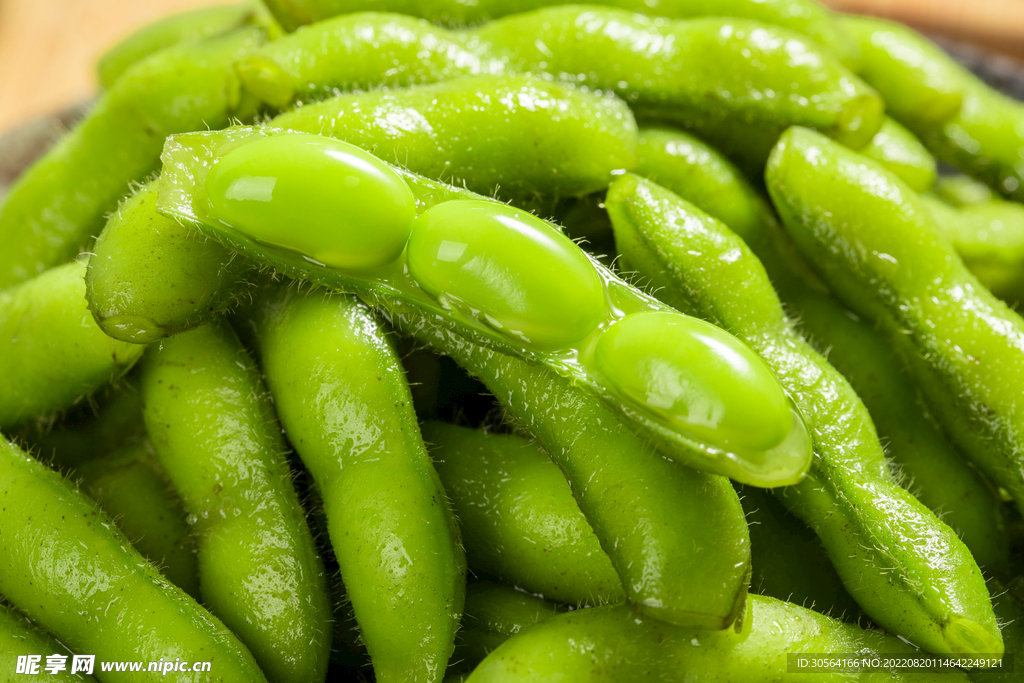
(877, 245)
(716, 74)
(493, 273)
(343, 400)
(488, 133)
(623, 646)
(802, 16)
(212, 426)
(70, 570)
(519, 521)
(20, 637)
(932, 592)
(54, 353)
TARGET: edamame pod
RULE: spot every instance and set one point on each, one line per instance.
(941, 478)
(486, 133)
(710, 73)
(959, 118)
(963, 190)
(344, 403)
(933, 592)
(623, 646)
(1010, 610)
(495, 273)
(212, 426)
(20, 638)
(133, 489)
(70, 570)
(898, 150)
(54, 354)
(877, 246)
(187, 27)
(53, 210)
(495, 613)
(802, 16)
(519, 521)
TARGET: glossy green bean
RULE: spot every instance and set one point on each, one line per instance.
(519, 521)
(879, 249)
(70, 570)
(718, 75)
(622, 646)
(211, 424)
(344, 403)
(54, 354)
(485, 133)
(932, 592)
(20, 638)
(898, 150)
(53, 210)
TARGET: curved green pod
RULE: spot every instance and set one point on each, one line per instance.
(71, 571)
(962, 190)
(939, 476)
(1010, 609)
(802, 16)
(217, 181)
(495, 613)
(212, 427)
(710, 73)
(343, 400)
(930, 591)
(20, 637)
(519, 521)
(186, 27)
(960, 118)
(622, 646)
(515, 136)
(898, 150)
(53, 210)
(131, 487)
(880, 250)
(54, 354)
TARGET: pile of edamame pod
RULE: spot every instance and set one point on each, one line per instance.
(420, 340)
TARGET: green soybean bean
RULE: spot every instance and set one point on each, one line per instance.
(20, 638)
(519, 521)
(187, 27)
(213, 430)
(887, 261)
(54, 354)
(940, 477)
(898, 150)
(932, 592)
(495, 613)
(710, 73)
(52, 211)
(464, 266)
(487, 133)
(959, 118)
(345, 405)
(70, 570)
(676, 537)
(623, 646)
(131, 487)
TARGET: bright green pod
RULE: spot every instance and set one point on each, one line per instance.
(880, 250)
(495, 613)
(1009, 608)
(898, 150)
(802, 16)
(482, 312)
(519, 521)
(941, 478)
(718, 74)
(963, 190)
(932, 592)
(186, 27)
(131, 487)
(212, 427)
(54, 354)
(70, 570)
(486, 133)
(622, 646)
(61, 201)
(343, 400)
(19, 637)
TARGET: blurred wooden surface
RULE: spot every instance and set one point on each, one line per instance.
(49, 48)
